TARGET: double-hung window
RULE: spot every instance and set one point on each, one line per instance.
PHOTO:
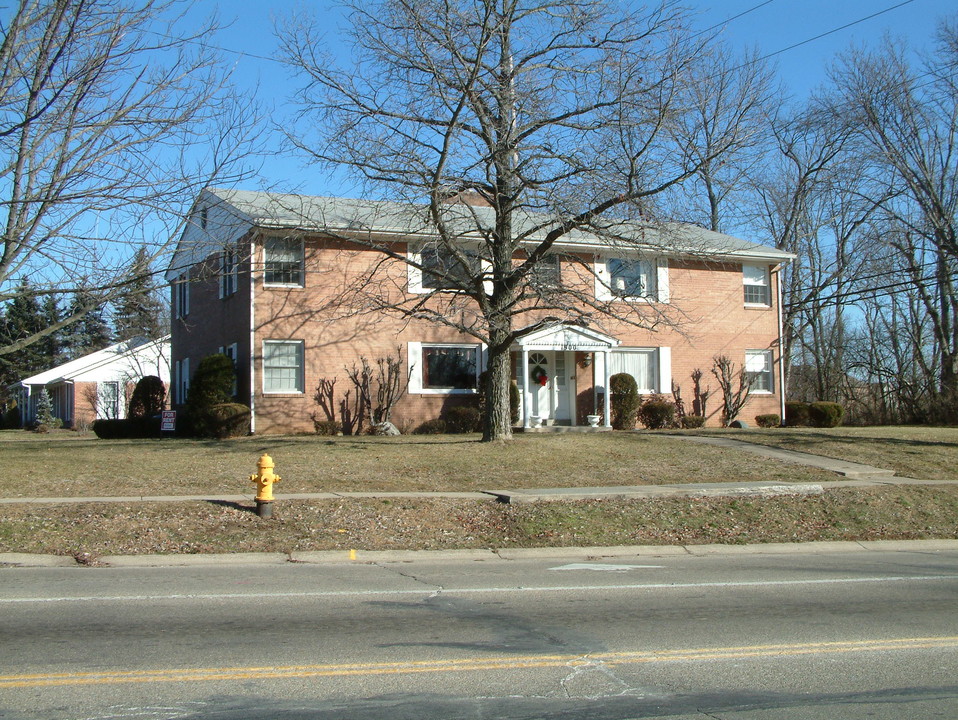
(547, 273)
(229, 263)
(755, 280)
(181, 296)
(283, 261)
(443, 271)
(232, 352)
(632, 278)
(283, 366)
(758, 369)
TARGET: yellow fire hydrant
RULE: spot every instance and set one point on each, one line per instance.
(264, 481)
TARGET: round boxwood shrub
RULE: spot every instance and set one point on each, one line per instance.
(825, 414)
(624, 401)
(796, 413)
(462, 419)
(327, 427)
(148, 397)
(690, 422)
(769, 420)
(212, 383)
(223, 420)
(657, 414)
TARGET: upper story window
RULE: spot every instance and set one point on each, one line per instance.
(181, 296)
(547, 273)
(442, 271)
(632, 278)
(755, 279)
(283, 260)
(229, 265)
(758, 368)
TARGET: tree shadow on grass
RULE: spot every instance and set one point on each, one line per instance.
(233, 505)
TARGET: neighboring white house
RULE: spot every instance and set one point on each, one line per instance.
(96, 386)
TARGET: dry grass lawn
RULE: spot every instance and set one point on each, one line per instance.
(67, 464)
(91, 530)
(928, 453)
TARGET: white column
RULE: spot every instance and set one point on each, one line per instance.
(526, 398)
(607, 357)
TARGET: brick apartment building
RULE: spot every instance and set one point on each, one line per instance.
(276, 282)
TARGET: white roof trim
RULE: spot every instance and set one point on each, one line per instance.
(566, 337)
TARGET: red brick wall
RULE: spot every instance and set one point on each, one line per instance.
(706, 317)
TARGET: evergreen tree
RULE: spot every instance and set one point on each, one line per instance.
(23, 316)
(139, 310)
(91, 332)
(51, 347)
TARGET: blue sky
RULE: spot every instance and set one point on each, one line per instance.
(774, 26)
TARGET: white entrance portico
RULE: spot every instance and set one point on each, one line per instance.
(546, 372)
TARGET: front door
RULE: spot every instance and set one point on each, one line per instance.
(549, 385)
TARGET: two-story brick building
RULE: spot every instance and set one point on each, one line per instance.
(275, 282)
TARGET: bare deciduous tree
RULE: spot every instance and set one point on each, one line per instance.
(554, 116)
(108, 128)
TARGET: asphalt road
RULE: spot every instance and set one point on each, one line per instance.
(834, 635)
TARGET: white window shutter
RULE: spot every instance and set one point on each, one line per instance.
(665, 370)
(414, 274)
(662, 279)
(602, 280)
(414, 353)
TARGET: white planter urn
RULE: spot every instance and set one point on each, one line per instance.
(593, 420)
(535, 421)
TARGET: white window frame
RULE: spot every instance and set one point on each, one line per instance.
(301, 261)
(229, 271)
(661, 359)
(416, 368)
(108, 400)
(181, 295)
(752, 359)
(415, 274)
(300, 388)
(658, 268)
(760, 278)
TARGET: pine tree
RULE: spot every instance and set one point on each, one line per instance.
(46, 420)
(91, 332)
(23, 317)
(138, 310)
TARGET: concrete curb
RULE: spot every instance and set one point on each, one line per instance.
(344, 557)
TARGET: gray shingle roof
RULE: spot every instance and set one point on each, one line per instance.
(345, 215)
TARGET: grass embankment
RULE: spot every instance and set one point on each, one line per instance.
(66, 464)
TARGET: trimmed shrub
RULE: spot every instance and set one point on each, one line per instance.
(223, 420)
(690, 422)
(462, 419)
(825, 414)
(212, 383)
(11, 417)
(657, 414)
(769, 420)
(327, 427)
(146, 427)
(436, 426)
(796, 413)
(624, 401)
(148, 397)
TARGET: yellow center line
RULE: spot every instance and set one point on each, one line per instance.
(474, 664)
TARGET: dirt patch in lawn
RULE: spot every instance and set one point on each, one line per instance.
(89, 531)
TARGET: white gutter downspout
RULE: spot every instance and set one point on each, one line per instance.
(252, 339)
(781, 344)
